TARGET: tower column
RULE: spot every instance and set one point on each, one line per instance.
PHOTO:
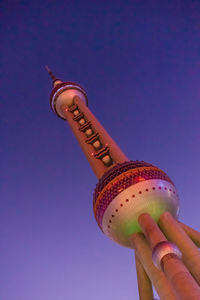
(192, 233)
(144, 283)
(181, 280)
(176, 234)
(157, 277)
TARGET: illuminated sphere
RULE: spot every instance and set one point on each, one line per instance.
(128, 190)
(96, 144)
(88, 132)
(106, 159)
(76, 112)
(162, 249)
(64, 94)
(82, 121)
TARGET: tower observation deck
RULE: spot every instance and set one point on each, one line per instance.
(135, 204)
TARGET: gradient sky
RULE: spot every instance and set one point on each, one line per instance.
(139, 62)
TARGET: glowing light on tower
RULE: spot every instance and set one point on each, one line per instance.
(130, 200)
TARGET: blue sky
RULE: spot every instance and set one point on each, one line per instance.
(139, 62)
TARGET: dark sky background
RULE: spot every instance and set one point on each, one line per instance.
(139, 62)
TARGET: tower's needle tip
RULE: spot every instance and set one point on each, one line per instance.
(53, 77)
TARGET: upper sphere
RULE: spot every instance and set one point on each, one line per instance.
(63, 94)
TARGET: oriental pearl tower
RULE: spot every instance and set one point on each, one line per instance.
(135, 204)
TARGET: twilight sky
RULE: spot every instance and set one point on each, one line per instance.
(139, 62)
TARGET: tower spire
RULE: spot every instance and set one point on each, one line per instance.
(55, 80)
(53, 77)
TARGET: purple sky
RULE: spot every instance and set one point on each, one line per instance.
(139, 62)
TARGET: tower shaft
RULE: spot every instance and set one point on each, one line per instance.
(99, 148)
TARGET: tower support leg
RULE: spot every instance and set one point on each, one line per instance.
(156, 276)
(144, 283)
(193, 234)
(175, 233)
(180, 278)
